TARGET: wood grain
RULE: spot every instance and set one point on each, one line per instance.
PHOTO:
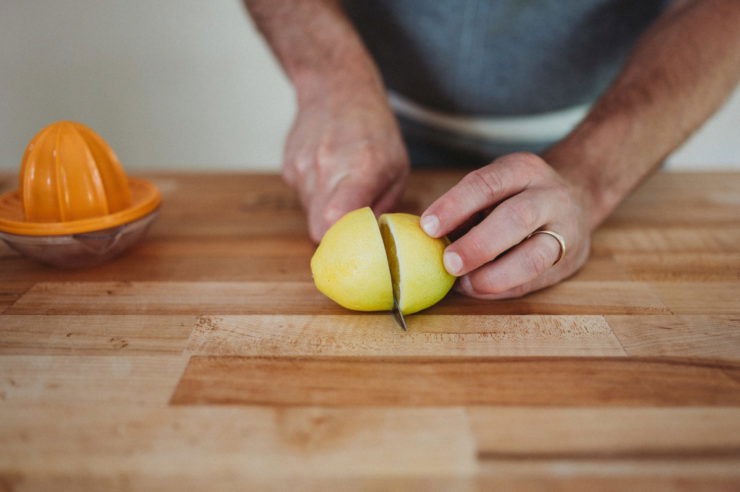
(462, 381)
(241, 248)
(205, 359)
(712, 475)
(603, 433)
(438, 335)
(561, 475)
(95, 334)
(569, 298)
(602, 267)
(11, 291)
(194, 298)
(575, 297)
(699, 297)
(166, 268)
(247, 443)
(700, 238)
(237, 225)
(87, 380)
(716, 337)
(677, 267)
(669, 199)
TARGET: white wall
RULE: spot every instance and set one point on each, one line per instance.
(180, 83)
(168, 83)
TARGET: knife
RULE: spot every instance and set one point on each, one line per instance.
(398, 315)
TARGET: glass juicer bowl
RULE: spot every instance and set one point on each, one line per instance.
(75, 206)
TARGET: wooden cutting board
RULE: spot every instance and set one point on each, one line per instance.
(205, 358)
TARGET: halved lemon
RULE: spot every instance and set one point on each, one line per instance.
(361, 262)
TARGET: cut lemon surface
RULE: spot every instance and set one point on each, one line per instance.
(360, 263)
(419, 276)
(350, 266)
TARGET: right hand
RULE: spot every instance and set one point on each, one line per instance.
(345, 152)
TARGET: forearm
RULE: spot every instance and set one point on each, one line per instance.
(316, 45)
(678, 75)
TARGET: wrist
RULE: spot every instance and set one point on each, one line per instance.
(597, 199)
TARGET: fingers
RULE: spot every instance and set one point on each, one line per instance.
(304, 182)
(517, 194)
(344, 152)
(482, 188)
(349, 192)
(291, 151)
(506, 226)
(333, 184)
(390, 198)
(527, 262)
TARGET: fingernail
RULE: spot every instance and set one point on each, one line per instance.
(430, 224)
(453, 262)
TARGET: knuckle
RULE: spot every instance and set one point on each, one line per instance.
(367, 164)
(326, 150)
(537, 260)
(563, 194)
(475, 247)
(530, 165)
(530, 161)
(484, 182)
(473, 250)
(487, 283)
(518, 291)
(523, 215)
(368, 160)
(331, 214)
(301, 163)
(489, 287)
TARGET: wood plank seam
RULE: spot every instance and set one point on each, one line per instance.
(469, 381)
(650, 289)
(18, 295)
(178, 379)
(616, 335)
(665, 360)
(274, 379)
(718, 297)
(429, 335)
(90, 335)
(603, 455)
(708, 336)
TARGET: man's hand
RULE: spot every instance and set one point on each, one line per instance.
(494, 259)
(678, 74)
(345, 152)
(345, 149)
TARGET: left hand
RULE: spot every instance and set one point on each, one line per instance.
(525, 195)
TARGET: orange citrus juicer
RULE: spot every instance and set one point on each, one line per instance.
(75, 205)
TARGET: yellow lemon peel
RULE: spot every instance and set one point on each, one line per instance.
(361, 262)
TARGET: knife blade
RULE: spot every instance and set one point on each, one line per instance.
(398, 315)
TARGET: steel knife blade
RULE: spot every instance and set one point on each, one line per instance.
(398, 315)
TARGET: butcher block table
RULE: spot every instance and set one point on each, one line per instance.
(206, 359)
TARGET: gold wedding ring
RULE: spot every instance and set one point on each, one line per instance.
(558, 238)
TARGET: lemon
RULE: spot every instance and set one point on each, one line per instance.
(361, 264)
(419, 276)
(350, 266)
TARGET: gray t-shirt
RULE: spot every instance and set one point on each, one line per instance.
(500, 57)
